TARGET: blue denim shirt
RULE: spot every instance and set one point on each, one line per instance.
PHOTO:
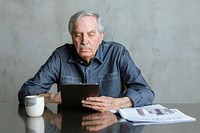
(112, 68)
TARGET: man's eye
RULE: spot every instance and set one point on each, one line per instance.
(91, 34)
(77, 35)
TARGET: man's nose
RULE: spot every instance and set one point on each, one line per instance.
(85, 39)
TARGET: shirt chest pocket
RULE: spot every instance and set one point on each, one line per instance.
(70, 79)
(110, 85)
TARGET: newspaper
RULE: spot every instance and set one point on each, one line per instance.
(154, 114)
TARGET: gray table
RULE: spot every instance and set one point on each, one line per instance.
(13, 119)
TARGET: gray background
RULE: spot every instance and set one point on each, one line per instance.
(163, 37)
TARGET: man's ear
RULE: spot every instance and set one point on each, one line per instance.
(102, 35)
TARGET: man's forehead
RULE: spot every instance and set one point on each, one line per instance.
(91, 31)
(86, 24)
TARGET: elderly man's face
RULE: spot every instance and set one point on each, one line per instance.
(86, 37)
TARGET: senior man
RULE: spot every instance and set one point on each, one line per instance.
(89, 59)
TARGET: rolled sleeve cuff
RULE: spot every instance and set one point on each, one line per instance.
(27, 92)
(140, 98)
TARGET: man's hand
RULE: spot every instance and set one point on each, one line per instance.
(52, 98)
(104, 103)
(53, 118)
(98, 121)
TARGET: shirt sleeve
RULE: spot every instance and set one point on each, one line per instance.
(137, 88)
(43, 80)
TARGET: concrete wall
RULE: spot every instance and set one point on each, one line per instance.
(163, 37)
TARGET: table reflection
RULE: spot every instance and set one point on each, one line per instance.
(49, 122)
(34, 125)
(76, 121)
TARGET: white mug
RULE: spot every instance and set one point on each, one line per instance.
(34, 105)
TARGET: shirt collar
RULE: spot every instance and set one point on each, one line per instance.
(73, 57)
(99, 54)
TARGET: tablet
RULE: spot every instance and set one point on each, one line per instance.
(73, 93)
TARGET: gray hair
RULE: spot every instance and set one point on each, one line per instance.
(80, 14)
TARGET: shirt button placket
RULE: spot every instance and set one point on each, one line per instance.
(87, 73)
